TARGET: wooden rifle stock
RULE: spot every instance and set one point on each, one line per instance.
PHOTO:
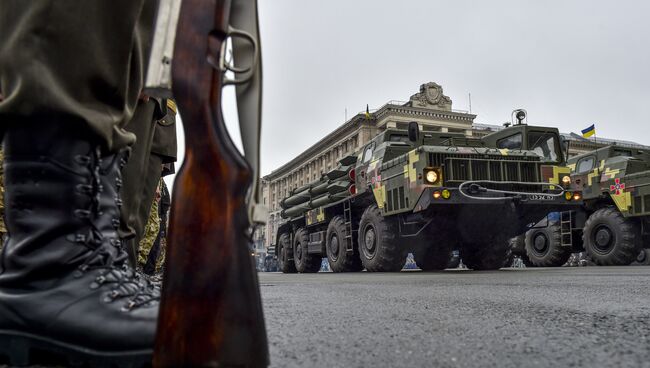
(211, 312)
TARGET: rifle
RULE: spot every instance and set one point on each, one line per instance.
(211, 312)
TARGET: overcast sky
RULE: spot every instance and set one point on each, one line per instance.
(569, 63)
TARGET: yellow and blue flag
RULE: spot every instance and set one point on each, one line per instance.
(586, 133)
(367, 112)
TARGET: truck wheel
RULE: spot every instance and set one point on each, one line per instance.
(285, 264)
(611, 239)
(378, 245)
(544, 247)
(339, 259)
(490, 255)
(434, 257)
(305, 262)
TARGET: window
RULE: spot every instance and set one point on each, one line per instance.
(585, 165)
(511, 142)
(367, 154)
(544, 144)
(622, 152)
(399, 138)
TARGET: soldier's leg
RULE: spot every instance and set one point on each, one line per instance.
(147, 192)
(83, 59)
(144, 169)
(136, 177)
(71, 72)
(151, 231)
(157, 255)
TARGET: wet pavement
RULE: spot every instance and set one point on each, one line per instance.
(561, 317)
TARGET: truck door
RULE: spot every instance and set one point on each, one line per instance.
(362, 168)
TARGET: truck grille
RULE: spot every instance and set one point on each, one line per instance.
(460, 168)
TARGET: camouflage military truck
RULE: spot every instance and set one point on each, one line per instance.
(613, 227)
(426, 193)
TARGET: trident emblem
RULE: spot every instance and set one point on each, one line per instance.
(618, 186)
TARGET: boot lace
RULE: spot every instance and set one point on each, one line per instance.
(107, 255)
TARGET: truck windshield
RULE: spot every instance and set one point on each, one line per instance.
(544, 144)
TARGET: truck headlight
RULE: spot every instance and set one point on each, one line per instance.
(431, 176)
(566, 180)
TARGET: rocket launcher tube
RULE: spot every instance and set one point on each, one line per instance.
(295, 211)
(339, 172)
(295, 199)
(338, 187)
(319, 189)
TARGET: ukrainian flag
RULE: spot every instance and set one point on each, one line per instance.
(367, 112)
(586, 133)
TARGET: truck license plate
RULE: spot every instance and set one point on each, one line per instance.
(541, 197)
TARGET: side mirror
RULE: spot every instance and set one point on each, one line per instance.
(414, 131)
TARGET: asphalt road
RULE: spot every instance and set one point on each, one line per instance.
(561, 317)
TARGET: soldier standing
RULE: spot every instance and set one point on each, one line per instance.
(71, 73)
(154, 125)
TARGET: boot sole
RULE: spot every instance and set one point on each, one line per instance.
(23, 349)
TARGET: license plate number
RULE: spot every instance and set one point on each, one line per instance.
(541, 197)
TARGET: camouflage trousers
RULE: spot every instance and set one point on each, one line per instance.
(151, 230)
(151, 253)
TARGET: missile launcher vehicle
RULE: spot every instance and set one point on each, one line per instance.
(427, 193)
(613, 226)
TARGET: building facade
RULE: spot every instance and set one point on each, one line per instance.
(429, 107)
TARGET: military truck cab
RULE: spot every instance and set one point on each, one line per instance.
(390, 147)
(613, 226)
(545, 142)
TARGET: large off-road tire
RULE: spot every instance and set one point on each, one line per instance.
(285, 260)
(379, 247)
(339, 258)
(305, 262)
(434, 257)
(489, 255)
(544, 247)
(611, 239)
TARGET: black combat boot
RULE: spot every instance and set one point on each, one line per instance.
(67, 291)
